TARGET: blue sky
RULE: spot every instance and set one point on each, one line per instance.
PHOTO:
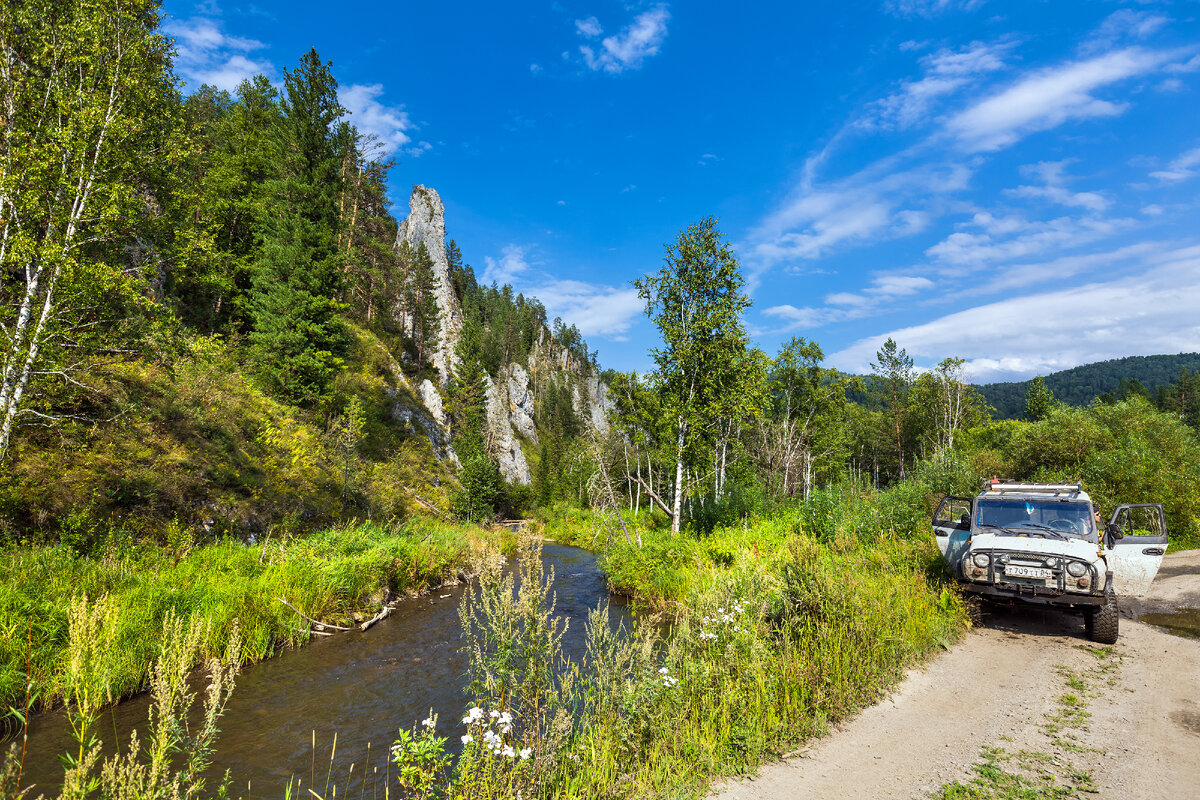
(1015, 183)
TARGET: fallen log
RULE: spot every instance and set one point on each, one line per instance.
(384, 613)
(310, 619)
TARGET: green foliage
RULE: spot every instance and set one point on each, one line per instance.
(298, 338)
(1080, 385)
(1039, 400)
(87, 99)
(775, 635)
(708, 377)
(327, 575)
(481, 489)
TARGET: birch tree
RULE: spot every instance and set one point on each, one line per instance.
(706, 372)
(82, 87)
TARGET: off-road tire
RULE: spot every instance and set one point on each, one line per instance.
(1102, 623)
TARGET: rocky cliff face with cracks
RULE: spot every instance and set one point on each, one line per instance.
(511, 395)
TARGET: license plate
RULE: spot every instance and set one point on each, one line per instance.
(1027, 572)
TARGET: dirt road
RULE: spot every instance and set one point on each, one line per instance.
(1028, 695)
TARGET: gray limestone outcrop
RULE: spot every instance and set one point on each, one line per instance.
(426, 223)
(520, 402)
(501, 442)
(511, 399)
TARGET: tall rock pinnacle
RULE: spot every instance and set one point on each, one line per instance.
(426, 222)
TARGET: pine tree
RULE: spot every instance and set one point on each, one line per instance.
(1039, 400)
(423, 304)
(298, 336)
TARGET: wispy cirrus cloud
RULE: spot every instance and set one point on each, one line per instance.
(1147, 312)
(928, 8)
(945, 73)
(1187, 165)
(1049, 98)
(1053, 187)
(628, 49)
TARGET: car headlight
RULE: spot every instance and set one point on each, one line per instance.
(1077, 569)
(982, 559)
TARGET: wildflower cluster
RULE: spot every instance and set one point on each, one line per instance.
(495, 741)
(723, 618)
(668, 681)
(421, 757)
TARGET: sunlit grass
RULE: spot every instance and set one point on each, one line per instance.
(327, 575)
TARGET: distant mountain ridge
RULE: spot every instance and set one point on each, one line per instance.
(1080, 385)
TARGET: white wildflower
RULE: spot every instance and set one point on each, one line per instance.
(429, 722)
(526, 753)
(467, 739)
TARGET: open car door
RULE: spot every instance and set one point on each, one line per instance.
(952, 526)
(1135, 557)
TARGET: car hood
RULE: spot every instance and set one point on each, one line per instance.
(1034, 545)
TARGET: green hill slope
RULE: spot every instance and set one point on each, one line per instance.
(1080, 385)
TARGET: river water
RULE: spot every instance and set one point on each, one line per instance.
(363, 686)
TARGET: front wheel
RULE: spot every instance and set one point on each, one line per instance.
(1101, 623)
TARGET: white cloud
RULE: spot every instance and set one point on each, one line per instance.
(512, 262)
(928, 8)
(388, 124)
(1049, 98)
(536, 69)
(206, 54)
(1123, 24)
(946, 71)
(628, 49)
(865, 206)
(1053, 187)
(843, 306)
(589, 27)
(597, 310)
(1185, 166)
(972, 250)
(1150, 312)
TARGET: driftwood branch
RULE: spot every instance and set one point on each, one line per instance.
(384, 613)
(310, 619)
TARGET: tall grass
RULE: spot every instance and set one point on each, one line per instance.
(776, 632)
(327, 575)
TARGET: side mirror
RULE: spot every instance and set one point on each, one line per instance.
(964, 521)
(1114, 532)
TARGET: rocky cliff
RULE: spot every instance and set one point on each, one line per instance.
(511, 394)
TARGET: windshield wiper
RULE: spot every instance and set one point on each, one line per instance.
(1044, 528)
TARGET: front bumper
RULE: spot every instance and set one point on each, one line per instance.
(1053, 591)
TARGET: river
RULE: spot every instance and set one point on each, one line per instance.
(363, 686)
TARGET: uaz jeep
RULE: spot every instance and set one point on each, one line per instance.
(1038, 543)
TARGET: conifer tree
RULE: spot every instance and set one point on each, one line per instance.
(298, 336)
(1039, 400)
(423, 304)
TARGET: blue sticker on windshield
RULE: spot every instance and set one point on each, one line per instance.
(1029, 508)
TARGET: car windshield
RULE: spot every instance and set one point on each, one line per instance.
(1046, 517)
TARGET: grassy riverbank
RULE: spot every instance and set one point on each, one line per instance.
(327, 575)
(780, 626)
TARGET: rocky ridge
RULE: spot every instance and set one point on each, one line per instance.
(511, 398)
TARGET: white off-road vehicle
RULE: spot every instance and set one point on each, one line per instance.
(1038, 543)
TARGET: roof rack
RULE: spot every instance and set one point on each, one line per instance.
(1001, 485)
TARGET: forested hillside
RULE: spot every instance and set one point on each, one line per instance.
(211, 318)
(1081, 385)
